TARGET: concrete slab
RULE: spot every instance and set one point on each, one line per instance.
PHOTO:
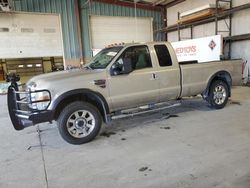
(195, 147)
(20, 156)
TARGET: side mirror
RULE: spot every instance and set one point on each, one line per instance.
(124, 68)
(116, 69)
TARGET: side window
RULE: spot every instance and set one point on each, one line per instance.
(163, 55)
(139, 56)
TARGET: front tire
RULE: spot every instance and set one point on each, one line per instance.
(79, 123)
(218, 94)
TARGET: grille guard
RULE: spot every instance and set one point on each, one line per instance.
(20, 113)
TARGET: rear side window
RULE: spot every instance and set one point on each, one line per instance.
(163, 55)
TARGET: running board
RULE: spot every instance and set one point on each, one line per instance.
(124, 115)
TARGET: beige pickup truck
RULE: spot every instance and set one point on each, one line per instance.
(120, 81)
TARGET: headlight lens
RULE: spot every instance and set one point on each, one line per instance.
(37, 99)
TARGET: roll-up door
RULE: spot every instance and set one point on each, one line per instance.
(107, 30)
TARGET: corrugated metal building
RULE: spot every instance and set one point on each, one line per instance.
(66, 9)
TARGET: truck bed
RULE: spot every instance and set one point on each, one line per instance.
(196, 76)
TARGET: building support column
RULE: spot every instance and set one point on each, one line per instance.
(79, 33)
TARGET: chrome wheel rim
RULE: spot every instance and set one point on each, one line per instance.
(219, 94)
(80, 123)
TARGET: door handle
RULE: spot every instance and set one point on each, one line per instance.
(153, 76)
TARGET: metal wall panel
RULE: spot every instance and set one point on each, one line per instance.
(97, 8)
(66, 9)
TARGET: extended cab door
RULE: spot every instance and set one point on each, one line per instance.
(138, 87)
(168, 72)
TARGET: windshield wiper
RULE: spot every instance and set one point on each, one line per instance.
(87, 67)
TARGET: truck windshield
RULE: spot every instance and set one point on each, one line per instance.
(103, 58)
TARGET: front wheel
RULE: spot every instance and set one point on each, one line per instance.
(79, 123)
(218, 94)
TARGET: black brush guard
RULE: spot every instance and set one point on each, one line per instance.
(20, 113)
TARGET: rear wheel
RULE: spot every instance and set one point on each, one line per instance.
(218, 94)
(79, 123)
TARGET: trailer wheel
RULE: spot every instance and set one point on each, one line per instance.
(79, 123)
(218, 94)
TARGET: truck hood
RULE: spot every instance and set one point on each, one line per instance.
(62, 75)
(72, 77)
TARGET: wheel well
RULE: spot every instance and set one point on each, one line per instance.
(224, 76)
(87, 97)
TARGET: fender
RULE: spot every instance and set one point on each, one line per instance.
(221, 75)
(95, 95)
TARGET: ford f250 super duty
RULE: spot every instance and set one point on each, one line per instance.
(120, 81)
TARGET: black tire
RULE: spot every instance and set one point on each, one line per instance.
(68, 114)
(220, 88)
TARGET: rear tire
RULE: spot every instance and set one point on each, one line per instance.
(79, 123)
(218, 94)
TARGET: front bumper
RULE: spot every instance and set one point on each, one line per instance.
(20, 114)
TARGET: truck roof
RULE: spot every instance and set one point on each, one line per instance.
(134, 43)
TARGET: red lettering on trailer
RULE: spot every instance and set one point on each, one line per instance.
(187, 49)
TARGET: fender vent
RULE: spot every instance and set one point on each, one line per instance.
(101, 83)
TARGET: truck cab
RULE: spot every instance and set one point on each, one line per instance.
(153, 76)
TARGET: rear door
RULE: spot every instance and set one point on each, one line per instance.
(138, 87)
(168, 72)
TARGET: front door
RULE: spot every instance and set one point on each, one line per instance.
(138, 87)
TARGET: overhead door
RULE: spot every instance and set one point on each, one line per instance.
(25, 35)
(107, 30)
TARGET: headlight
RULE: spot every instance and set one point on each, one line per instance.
(40, 100)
